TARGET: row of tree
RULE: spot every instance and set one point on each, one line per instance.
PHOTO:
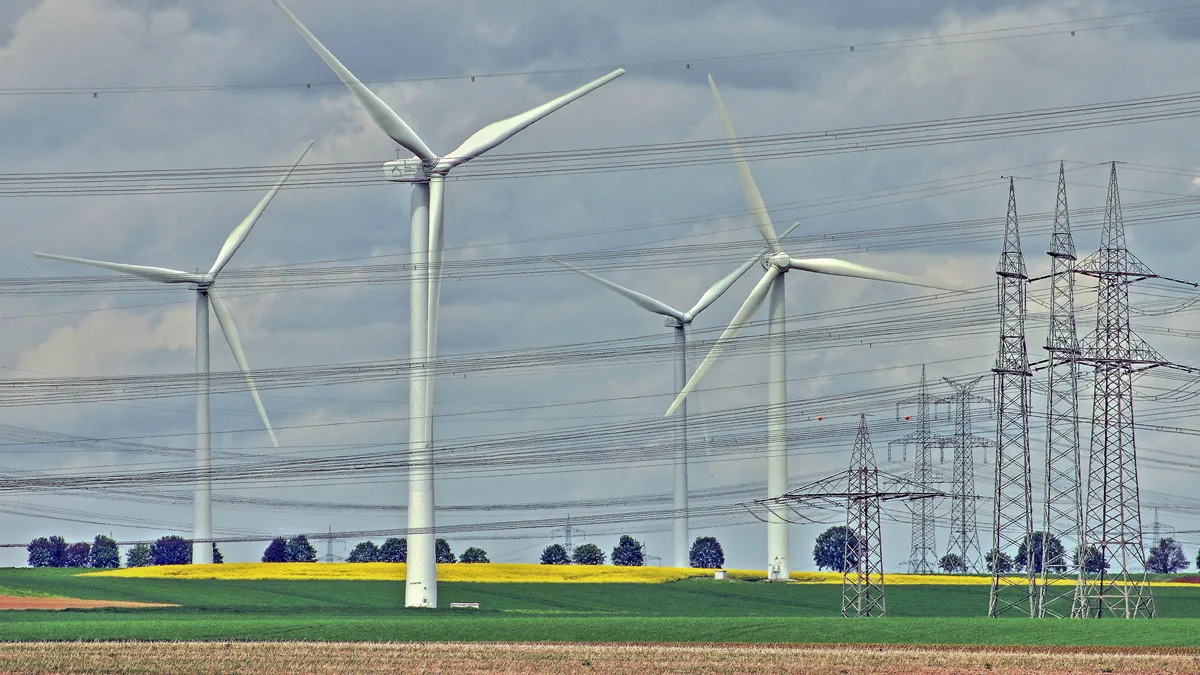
(1166, 557)
(54, 551)
(395, 550)
(295, 549)
(629, 552)
(103, 553)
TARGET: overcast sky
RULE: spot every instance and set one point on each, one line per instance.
(668, 49)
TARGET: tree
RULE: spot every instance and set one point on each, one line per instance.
(706, 553)
(47, 552)
(364, 551)
(276, 551)
(830, 550)
(555, 554)
(298, 549)
(587, 554)
(105, 553)
(951, 563)
(1093, 561)
(1166, 557)
(474, 555)
(78, 554)
(628, 552)
(171, 550)
(1055, 554)
(1003, 561)
(394, 550)
(138, 556)
(442, 552)
(217, 557)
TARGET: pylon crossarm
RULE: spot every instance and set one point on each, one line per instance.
(1193, 284)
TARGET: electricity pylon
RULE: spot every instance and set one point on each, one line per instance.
(1063, 506)
(924, 540)
(1012, 514)
(1112, 526)
(862, 580)
(964, 521)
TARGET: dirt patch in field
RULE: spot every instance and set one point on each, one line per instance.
(30, 602)
(1187, 580)
(203, 658)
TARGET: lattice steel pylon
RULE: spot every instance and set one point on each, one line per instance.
(1112, 522)
(1062, 508)
(923, 558)
(1012, 513)
(964, 521)
(862, 580)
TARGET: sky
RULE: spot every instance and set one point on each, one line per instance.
(783, 68)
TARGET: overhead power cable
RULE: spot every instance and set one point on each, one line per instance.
(1063, 28)
(626, 158)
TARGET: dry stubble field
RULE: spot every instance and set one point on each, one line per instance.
(196, 658)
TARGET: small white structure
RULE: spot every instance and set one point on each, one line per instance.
(720, 574)
(464, 605)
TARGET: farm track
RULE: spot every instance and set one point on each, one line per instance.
(204, 658)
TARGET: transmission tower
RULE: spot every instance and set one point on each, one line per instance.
(924, 542)
(1112, 525)
(568, 533)
(862, 583)
(1063, 506)
(964, 522)
(1012, 513)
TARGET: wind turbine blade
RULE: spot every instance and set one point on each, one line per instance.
(497, 132)
(235, 346)
(710, 296)
(754, 200)
(753, 302)
(437, 254)
(242, 231)
(644, 301)
(716, 290)
(162, 274)
(789, 230)
(385, 118)
(842, 268)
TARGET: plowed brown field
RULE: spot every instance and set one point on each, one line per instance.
(24, 602)
(308, 657)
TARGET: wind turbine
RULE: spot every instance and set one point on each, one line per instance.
(206, 294)
(777, 264)
(679, 321)
(427, 172)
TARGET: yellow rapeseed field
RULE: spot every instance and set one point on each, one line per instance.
(512, 573)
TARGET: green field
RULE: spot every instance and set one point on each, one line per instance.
(686, 611)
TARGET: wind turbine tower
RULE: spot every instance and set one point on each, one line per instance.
(427, 173)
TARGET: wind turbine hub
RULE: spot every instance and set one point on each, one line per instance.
(410, 170)
(672, 322)
(780, 261)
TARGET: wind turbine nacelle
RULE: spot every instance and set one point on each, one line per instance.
(411, 170)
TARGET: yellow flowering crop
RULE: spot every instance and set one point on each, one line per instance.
(516, 573)
(485, 573)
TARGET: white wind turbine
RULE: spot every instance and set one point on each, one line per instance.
(206, 294)
(679, 321)
(777, 264)
(427, 172)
